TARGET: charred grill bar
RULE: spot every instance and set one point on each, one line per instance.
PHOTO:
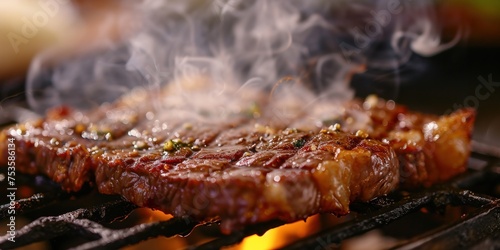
(482, 223)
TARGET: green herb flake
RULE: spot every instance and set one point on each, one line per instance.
(299, 143)
(175, 145)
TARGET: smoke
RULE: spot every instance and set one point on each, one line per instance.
(240, 48)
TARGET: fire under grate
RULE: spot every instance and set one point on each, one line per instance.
(481, 224)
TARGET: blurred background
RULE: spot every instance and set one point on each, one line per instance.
(466, 74)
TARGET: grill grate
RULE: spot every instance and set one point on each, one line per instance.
(480, 224)
(491, 210)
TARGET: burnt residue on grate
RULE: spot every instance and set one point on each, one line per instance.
(477, 191)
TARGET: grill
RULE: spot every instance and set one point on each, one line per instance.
(474, 194)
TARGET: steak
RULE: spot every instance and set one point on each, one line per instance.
(252, 165)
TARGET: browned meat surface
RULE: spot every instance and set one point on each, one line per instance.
(430, 149)
(243, 168)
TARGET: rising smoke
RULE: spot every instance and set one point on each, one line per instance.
(316, 46)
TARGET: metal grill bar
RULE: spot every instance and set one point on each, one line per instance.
(237, 237)
(333, 236)
(113, 239)
(23, 205)
(463, 234)
(51, 192)
(82, 221)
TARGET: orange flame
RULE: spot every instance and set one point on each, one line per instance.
(155, 215)
(146, 215)
(280, 236)
(272, 239)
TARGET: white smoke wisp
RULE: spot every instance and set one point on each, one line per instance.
(240, 48)
(425, 41)
(423, 34)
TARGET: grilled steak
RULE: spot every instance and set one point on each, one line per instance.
(245, 168)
